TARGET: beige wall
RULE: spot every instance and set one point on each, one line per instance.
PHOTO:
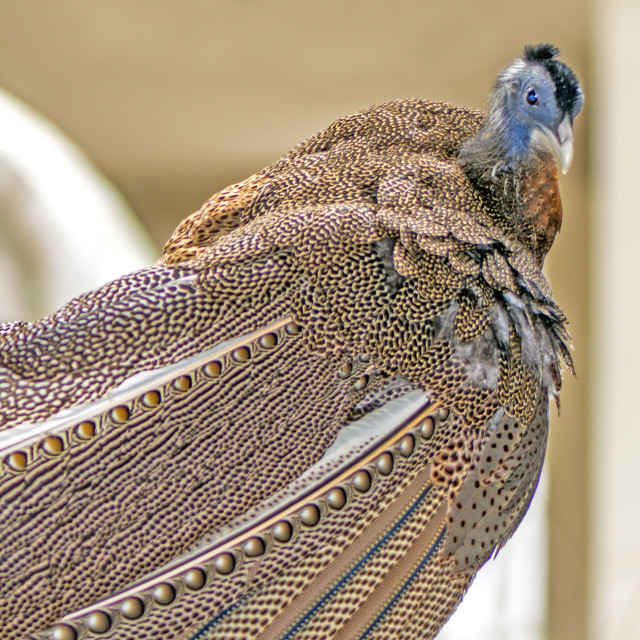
(614, 312)
(175, 100)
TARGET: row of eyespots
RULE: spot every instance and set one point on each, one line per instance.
(196, 578)
(54, 445)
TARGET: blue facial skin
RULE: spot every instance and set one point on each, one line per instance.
(529, 103)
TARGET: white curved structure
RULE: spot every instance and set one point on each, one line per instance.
(63, 228)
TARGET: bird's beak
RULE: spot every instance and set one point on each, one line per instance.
(561, 142)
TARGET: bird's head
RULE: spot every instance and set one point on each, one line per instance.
(534, 101)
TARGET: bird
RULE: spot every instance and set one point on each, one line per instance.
(324, 407)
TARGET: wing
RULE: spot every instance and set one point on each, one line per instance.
(320, 422)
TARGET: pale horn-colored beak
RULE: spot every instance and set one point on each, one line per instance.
(561, 141)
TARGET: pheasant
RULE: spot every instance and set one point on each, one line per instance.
(322, 410)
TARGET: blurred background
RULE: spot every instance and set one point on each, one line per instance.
(172, 101)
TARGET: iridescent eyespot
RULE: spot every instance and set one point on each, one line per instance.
(532, 97)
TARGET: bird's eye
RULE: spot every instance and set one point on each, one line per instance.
(532, 97)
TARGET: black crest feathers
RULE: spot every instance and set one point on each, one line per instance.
(540, 52)
(568, 92)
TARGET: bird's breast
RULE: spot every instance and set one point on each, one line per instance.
(541, 207)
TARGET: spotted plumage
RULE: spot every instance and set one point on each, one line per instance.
(329, 396)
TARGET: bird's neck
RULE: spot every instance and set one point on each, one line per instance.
(502, 144)
(518, 183)
(514, 143)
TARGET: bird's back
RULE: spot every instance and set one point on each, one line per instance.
(352, 161)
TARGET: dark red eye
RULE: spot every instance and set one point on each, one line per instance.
(532, 97)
